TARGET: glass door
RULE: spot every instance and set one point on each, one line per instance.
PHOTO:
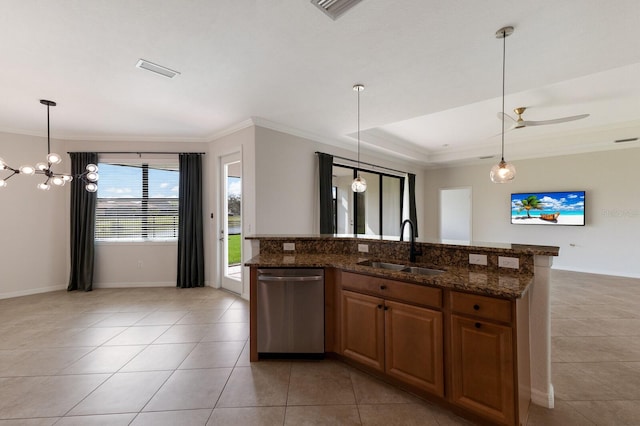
(231, 219)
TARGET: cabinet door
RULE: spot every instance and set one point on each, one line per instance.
(363, 329)
(482, 368)
(414, 346)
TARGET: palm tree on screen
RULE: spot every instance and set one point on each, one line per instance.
(529, 203)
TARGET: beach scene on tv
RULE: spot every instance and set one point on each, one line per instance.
(548, 208)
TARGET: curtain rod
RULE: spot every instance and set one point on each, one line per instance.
(362, 162)
(138, 152)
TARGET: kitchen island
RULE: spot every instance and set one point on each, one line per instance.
(474, 337)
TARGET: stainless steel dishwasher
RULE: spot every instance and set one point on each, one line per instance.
(290, 312)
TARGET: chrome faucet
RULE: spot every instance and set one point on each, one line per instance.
(413, 251)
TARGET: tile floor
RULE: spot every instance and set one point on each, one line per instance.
(166, 356)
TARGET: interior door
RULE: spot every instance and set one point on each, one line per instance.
(455, 214)
(231, 222)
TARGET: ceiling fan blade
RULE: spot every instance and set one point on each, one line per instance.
(555, 121)
(507, 118)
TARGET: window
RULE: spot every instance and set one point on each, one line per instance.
(377, 211)
(137, 201)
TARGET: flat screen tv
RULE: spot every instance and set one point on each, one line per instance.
(548, 208)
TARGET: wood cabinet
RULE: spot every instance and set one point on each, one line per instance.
(402, 340)
(483, 356)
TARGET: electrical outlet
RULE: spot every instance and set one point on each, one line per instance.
(477, 259)
(363, 248)
(508, 262)
(289, 246)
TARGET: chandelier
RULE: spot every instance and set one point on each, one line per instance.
(89, 176)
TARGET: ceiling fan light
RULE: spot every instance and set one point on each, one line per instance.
(502, 172)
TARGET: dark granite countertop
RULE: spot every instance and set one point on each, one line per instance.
(506, 284)
(507, 248)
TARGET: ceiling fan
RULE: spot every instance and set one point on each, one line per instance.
(519, 123)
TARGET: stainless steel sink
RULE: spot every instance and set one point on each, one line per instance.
(422, 271)
(383, 265)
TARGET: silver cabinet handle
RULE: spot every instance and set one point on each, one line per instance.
(279, 278)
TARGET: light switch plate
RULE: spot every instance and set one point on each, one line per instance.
(477, 259)
(508, 262)
(363, 248)
(288, 246)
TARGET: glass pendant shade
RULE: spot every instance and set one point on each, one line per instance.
(502, 172)
(3, 183)
(92, 168)
(27, 170)
(43, 186)
(42, 166)
(91, 187)
(58, 181)
(359, 184)
(54, 158)
(3, 165)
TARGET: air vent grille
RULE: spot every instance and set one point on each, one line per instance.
(158, 69)
(335, 8)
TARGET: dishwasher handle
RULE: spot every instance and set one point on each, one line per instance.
(281, 278)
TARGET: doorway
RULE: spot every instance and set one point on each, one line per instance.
(455, 214)
(231, 220)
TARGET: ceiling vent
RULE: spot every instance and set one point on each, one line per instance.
(158, 69)
(625, 140)
(335, 8)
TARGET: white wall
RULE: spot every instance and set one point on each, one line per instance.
(287, 189)
(608, 244)
(33, 224)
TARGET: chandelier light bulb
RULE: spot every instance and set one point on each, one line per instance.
(58, 181)
(92, 168)
(359, 184)
(54, 158)
(42, 166)
(27, 170)
(92, 176)
(43, 186)
(3, 165)
(3, 183)
(67, 178)
(91, 187)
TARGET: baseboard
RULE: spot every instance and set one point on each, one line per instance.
(135, 284)
(597, 272)
(543, 399)
(29, 292)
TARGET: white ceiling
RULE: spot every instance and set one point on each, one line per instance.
(432, 71)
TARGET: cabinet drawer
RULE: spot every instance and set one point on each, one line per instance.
(481, 306)
(411, 293)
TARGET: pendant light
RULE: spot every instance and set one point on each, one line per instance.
(359, 183)
(503, 172)
(89, 176)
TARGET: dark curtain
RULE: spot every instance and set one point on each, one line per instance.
(326, 193)
(190, 223)
(412, 202)
(83, 224)
(402, 183)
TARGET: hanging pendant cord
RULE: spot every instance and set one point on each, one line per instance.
(48, 133)
(358, 132)
(504, 50)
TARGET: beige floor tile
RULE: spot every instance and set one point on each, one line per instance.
(213, 355)
(446, 417)
(105, 359)
(188, 333)
(122, 393)
(369, 390)
(244, 360)
(621, 327)
(98, 420)
(327, 415)
(397, 415)
(173, 418)
(605, 413)
(160, 357)
(49, 421)
(40, 362)
(262, 384)
(320, 383)
(44, 396)
(563, 414)
(138, 335)
(190, 389)
(572, 384)
(247, 416)
(578, 327)
(595, 349)
(206, 316)
(622, 377)
(162, 318)
(235, 315)
(121, 319)
(225, 332)
(93, 336)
